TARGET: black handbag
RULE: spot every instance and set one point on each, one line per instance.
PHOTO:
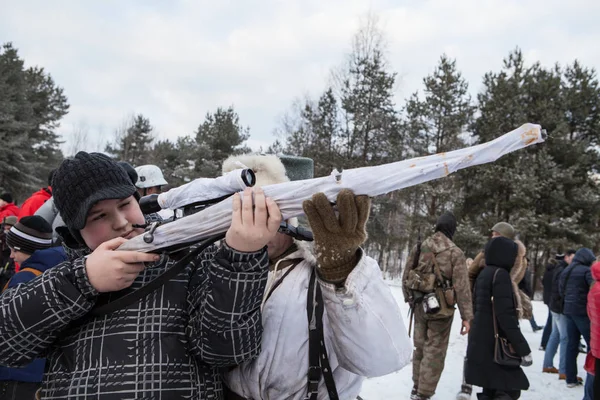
(504, 353)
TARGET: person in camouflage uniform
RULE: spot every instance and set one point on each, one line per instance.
(432, 331)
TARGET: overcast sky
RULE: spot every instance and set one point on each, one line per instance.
(175, 60)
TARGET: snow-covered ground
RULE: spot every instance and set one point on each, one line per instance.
(542, 386)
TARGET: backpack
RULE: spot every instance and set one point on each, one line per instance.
(426, 277)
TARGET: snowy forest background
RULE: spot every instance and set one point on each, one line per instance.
(548, 192)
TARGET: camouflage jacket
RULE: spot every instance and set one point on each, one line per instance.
(453, 266)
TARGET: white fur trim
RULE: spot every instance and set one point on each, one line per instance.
(305, 250)
(269, 169)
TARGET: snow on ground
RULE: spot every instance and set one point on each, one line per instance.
(542, 386)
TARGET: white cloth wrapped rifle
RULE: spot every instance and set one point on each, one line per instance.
(202, 190)
(372, 181)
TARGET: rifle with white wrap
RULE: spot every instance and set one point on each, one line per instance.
(371, 181)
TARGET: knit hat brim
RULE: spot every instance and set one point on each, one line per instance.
(108, 193)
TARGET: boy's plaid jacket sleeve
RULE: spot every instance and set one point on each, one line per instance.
(224, 301)
(33, 314)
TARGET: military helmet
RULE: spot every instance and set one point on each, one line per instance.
(505, 229)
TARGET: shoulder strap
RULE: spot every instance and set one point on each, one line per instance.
(290, 268)
(134, 296)
(494, 308)
(34, 271)
(317, 352)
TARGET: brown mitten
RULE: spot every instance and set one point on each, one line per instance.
(337, 238)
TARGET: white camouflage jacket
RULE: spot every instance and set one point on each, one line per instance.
(364, 333)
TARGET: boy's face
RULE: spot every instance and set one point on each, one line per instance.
(18, 256)
(109, 219)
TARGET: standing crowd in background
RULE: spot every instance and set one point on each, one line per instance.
(493, 293)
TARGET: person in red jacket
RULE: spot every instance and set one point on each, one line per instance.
(593, 309)
(7, 206)
(31, 205)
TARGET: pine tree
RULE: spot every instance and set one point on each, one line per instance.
(31, 106)
(275, 148)
(435, 125)
(175, 160)
(218, 137)
(366, 89)
(133, 143)
(545, 191)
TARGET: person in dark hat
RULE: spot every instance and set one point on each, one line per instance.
(50, 213)
(547, 287)
(440, 266)
(7, 206)
(558, 338)
(28, 235)
(517, 274)
(494, 306)
(29, 241)
(574, 285)
(172, 343)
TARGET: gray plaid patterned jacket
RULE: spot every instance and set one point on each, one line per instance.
(172, 344)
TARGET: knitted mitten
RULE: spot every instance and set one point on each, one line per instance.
(338, 237)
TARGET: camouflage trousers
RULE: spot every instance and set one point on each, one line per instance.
(430, 339)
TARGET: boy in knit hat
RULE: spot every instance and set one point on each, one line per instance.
(29, 241)
(28, 235)
(170, 344)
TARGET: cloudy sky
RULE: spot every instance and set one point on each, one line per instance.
(175, 60)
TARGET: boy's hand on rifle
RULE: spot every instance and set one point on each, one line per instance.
(338, 237)
(109, 270)
(255, 221)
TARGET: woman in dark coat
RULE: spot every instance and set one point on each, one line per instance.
(498, 382)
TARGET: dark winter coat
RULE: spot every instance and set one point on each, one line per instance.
(547, 282)
(576, 288)
(481, 370)
(173, 344)
(555, 297)
(31, 205)
(41, 260)
(525, 284)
